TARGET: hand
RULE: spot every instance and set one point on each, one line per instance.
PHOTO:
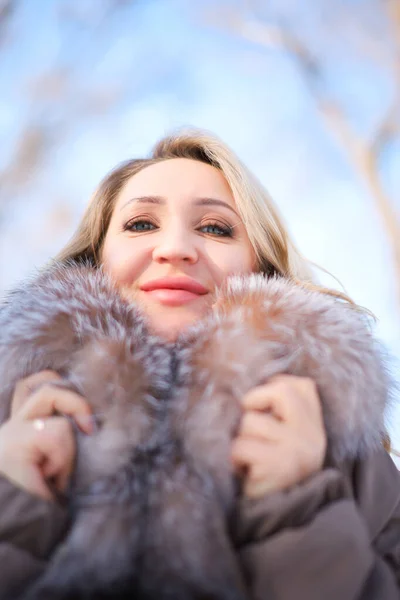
(282, 439)
(36, 446)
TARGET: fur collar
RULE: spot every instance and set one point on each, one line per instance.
(260, 327)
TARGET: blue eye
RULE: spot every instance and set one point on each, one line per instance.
(139, 225)
(144, 225)
(217, 230)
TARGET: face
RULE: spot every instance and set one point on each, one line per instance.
(175, 234)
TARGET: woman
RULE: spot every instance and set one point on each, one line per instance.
(169, 230)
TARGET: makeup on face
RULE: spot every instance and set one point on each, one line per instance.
(174, 236)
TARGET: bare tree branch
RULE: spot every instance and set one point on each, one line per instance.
(363, 154)
(7, 8)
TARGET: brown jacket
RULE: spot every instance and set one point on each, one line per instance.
(334, 537)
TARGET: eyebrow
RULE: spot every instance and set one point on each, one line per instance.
(197, 202)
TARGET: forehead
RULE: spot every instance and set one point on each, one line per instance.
(178, 177)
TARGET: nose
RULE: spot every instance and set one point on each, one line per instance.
(175, 247)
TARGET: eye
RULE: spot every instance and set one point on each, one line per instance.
(216, 229)
(139, 225)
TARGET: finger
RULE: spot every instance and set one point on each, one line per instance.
(305, 384)
(259, 488)
(48, 400)
(304, 388)
(272, 475)
(264, 470)
(263, 426)
(246, 452)
(57, 449)
(26, 386)
(30, 455)
(266, 398)
(285, 397)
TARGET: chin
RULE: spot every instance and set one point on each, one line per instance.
(171, 324)
(170, 330)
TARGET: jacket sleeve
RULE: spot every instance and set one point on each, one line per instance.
(334, 536)
(29, 530)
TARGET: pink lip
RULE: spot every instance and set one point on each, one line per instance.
(174, 291)
(175, 283)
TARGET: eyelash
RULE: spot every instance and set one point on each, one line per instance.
(225, 230)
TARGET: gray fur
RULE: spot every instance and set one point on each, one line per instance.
(145, 515)
(153, 487)
(263, 327)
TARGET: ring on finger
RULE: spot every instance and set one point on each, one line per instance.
(38, 424)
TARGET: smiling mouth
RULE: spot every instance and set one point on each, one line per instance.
(173, 297)
(174, 291)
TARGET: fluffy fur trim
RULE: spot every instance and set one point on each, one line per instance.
(260, 327)
(264, 327)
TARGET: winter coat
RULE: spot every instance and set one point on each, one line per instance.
(172, 524)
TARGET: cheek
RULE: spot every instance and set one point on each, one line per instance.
(119, 263)
(234, 261)
(115, 269)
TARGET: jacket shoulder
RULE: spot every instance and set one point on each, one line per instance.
(376, 487)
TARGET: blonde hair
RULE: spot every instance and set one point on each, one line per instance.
(275, 250)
